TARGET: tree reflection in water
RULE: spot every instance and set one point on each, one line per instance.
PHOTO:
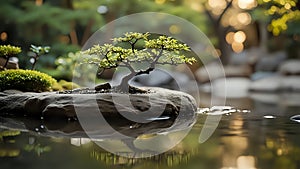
(241, 141)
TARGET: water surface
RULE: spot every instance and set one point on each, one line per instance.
(264, 137)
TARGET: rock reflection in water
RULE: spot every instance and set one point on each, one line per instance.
(134, 132)
(260, 138)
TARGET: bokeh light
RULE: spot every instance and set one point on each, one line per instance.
(217, 3)
(247, 4)
(39, 2)
(237, 47)
(244, 18)
(244, 162)
(229, 37)
(160, 1)
(3, 36)
(102, 9)
(239, 37)
(174, 29)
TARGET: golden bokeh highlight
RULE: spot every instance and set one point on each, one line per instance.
(39, 2)
(236, 40)
(160, 1)
(244, 162)
(239, 37)
(244, 18)
(221, 4)
(3, 36)
(233, 21)
(237, 47)
(229, 37)
(174, 29)
(196, 6)
(247, 4)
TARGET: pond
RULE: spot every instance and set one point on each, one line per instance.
(264, 137)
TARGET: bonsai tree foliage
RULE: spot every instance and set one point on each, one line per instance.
(38, 51)
(8, 51)
(140, 49)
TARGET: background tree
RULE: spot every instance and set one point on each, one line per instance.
(282, 19)
(220, 30)
(55, 23)
(65, 25)
(225, 17)
(161, 50)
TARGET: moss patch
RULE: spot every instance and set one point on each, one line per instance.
(64, 85)
(25, 80)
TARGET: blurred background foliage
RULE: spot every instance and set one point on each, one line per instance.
(65, 25)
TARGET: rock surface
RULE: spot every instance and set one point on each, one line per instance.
(130, 114)
(271, 61)
(290, 67)
(279, 99)
(276, 83)
(232, 87)
(10, 64)
(214, 71)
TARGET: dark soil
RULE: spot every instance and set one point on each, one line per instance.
(105, 89)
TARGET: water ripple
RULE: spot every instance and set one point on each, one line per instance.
(221, 110)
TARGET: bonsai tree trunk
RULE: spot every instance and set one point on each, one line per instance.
(6, 62)
(124, 85)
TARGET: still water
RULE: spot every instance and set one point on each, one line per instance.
(265, 137)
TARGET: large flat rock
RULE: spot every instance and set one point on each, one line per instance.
(131, 114)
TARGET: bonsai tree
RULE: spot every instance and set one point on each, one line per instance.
(38, 51)
(8, 51)
(140, 49)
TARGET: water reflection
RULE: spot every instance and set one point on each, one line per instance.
(7, 138)
(265, 137)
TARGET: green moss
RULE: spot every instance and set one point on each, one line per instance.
(64, 85)
(25, 80)
(8, 50)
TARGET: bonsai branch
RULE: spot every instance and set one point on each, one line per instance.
(7, 60)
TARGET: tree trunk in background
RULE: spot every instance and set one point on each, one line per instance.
(263, 36)
(224, 47)
(220, 32)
